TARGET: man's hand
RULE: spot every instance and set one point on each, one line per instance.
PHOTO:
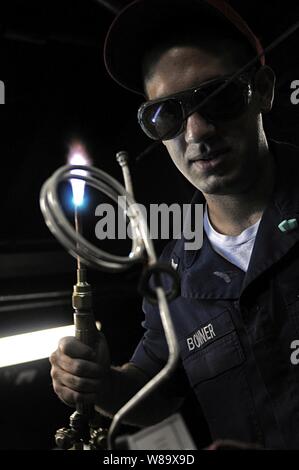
(79, 373)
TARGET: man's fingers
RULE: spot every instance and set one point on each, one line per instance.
(74, 348)
(73, 382)
(79, 367)
(71, 397)
(79, 372)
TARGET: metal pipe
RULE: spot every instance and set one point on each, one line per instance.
(90, 254)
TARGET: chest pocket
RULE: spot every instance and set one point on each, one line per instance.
(217, 358)
(211, 349)
(216, 371)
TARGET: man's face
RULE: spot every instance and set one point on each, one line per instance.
(234, 170)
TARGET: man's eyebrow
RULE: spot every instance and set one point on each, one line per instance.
(197, 85)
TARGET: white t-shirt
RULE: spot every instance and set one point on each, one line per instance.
(236, 249)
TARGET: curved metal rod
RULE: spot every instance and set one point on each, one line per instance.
(77, 245)
(157, 379)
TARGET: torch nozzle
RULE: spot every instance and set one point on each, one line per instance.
(81, 276)
(82, 298)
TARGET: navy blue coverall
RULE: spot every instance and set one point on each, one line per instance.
(235, 329)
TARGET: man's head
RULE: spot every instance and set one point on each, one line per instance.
(219, 150)
(222, 42)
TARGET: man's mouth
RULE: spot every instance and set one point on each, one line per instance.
(210, 154)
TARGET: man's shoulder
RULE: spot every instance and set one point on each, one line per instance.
(286, 154)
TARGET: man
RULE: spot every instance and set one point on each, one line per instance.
(238, 311)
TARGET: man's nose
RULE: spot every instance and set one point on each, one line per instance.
(196, 128)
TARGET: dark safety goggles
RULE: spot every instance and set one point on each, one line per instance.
(166, 118)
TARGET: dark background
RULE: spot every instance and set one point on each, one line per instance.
(57, 90)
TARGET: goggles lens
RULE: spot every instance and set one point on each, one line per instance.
(164, 119)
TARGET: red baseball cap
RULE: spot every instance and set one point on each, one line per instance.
(132, 31)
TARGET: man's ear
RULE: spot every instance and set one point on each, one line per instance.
(264, 84)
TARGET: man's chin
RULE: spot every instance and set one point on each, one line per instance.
(214, 185)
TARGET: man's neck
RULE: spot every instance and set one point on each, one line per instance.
(231, 214)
